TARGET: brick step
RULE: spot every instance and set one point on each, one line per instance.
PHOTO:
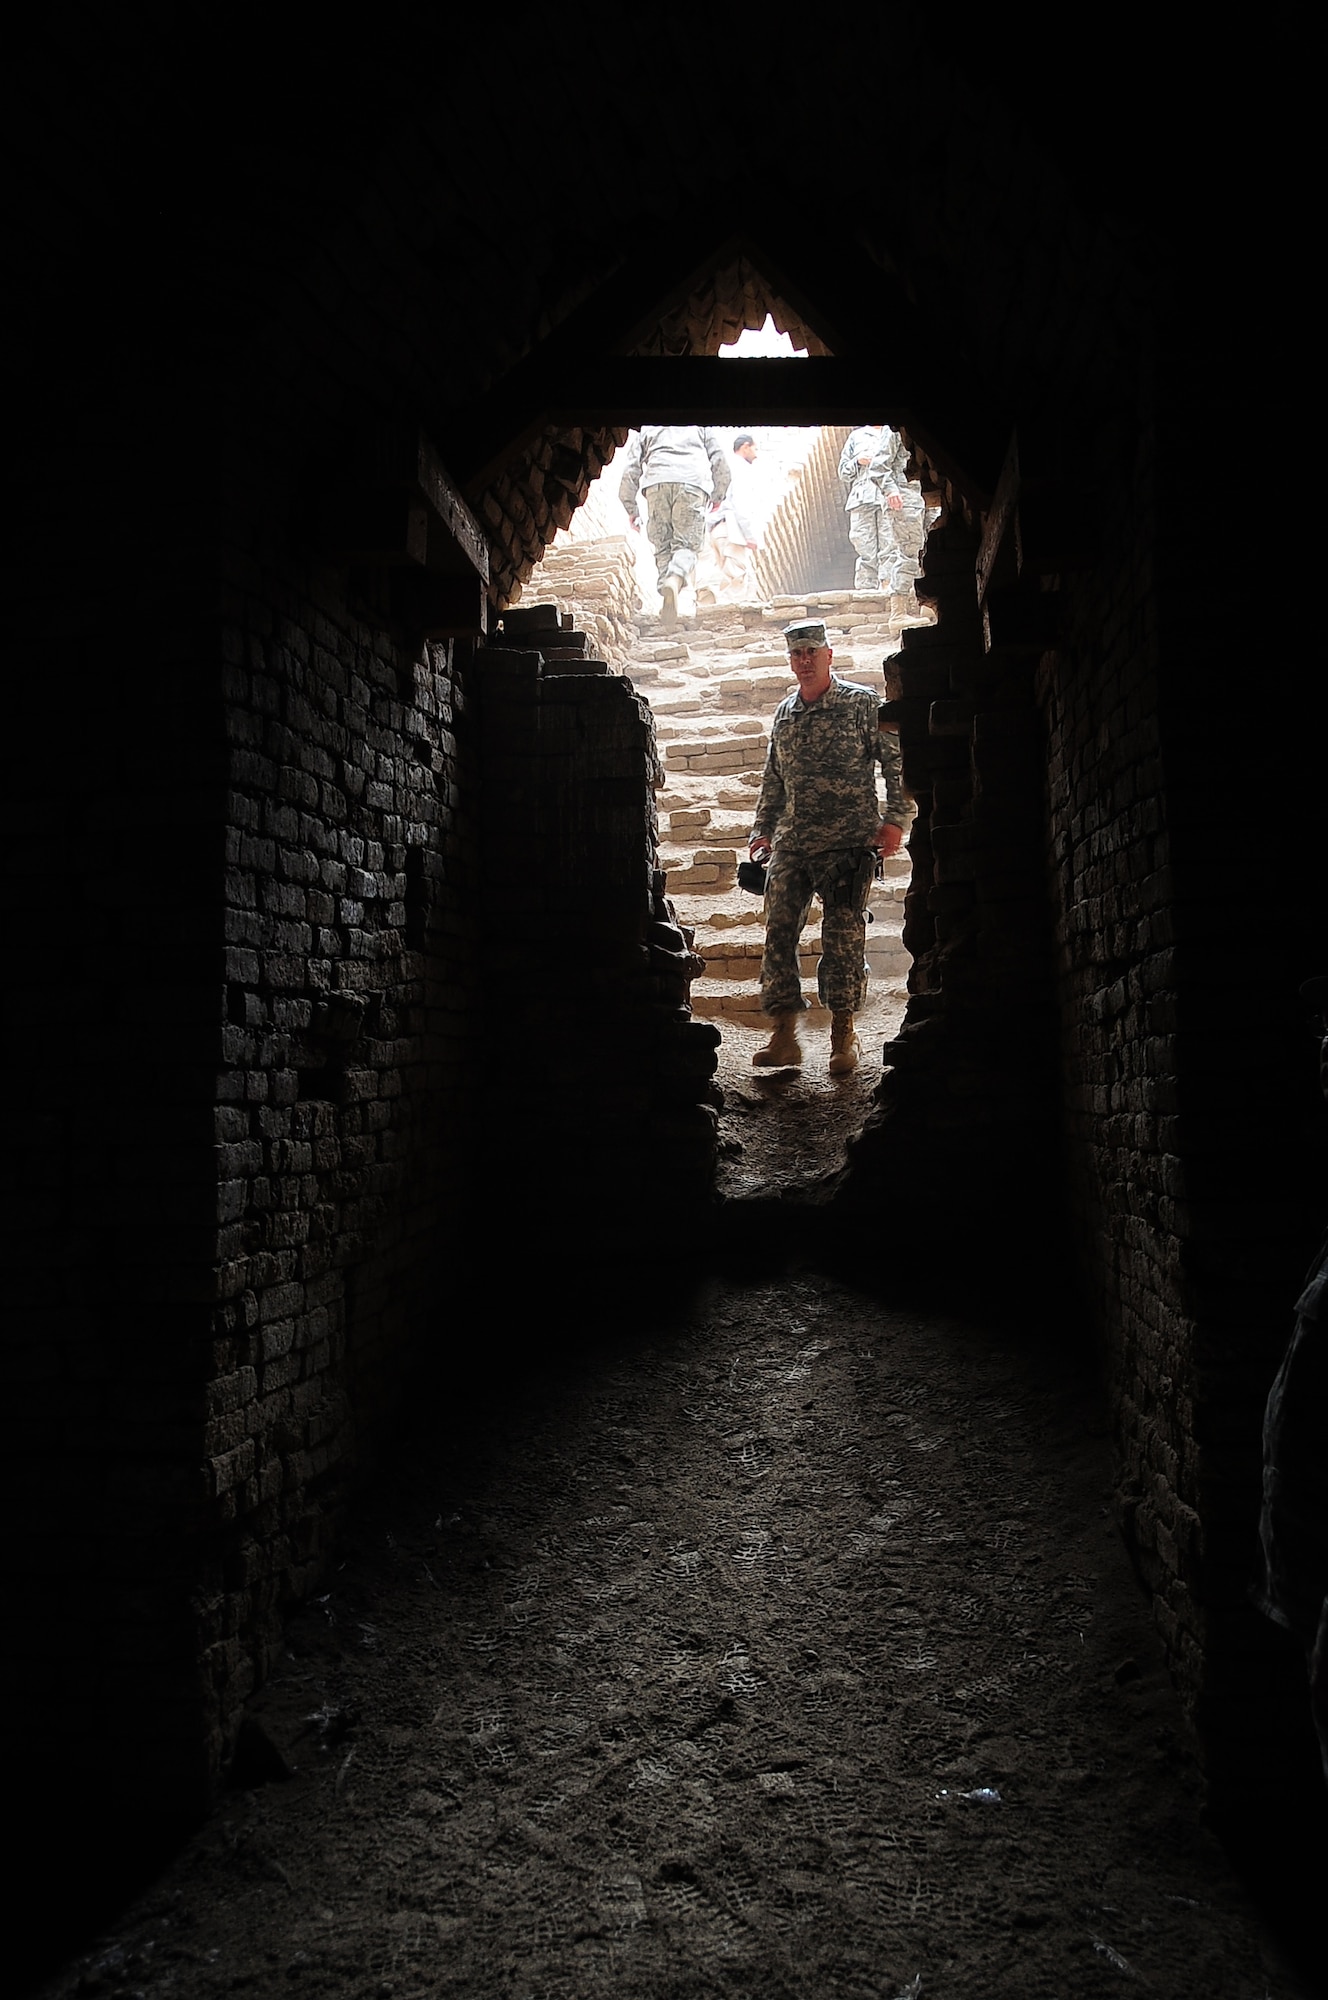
(719, 996)
(674, 855)
(713, 714)
(703, 823)
(841, 609)
(735, 791)
(710, 868)
(707, 733)
(736, 909)
(760, 675)
(718, 755)
(741, 961)
(711, 998)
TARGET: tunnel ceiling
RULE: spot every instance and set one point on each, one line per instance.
(612, 365)
(644, 348)
(517, 248)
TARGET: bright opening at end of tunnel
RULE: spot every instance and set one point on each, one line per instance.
(714, 667)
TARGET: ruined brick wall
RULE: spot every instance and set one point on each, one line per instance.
(529, 501)
(1069, 1045)
(343, 1096)
(1183, 1171)
(1192, 1085)
(298, 292)
(1186, 1169)
(588, 969)
(969, 1090)
(254, 914)
(595, 582)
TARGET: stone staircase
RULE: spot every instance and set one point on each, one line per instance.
(713, 682)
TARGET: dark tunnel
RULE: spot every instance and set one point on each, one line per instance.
(316, 342)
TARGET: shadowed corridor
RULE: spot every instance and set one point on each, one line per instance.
(350, 1023)
(783, 1649)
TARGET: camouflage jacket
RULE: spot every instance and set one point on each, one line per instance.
(871, 485)
(819, 788)
(677, 455)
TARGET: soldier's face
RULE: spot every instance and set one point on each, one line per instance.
(811, 670)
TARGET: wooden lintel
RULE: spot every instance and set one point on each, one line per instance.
(438, 607)
(449, 508)
(382, 471)
(627, 391)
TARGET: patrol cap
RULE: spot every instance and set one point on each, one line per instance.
(811, 632)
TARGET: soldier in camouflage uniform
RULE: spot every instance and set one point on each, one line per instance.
(909, 531)
(683, 467)
(819, 813)
(874, 467)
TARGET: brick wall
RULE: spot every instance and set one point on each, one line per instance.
(1068, 1050)
(968, 1097)
(349, 1038)
(587, 972)
(596, 582)
(225, 748)
(806, 544)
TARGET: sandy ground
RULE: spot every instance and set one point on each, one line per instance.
(786, 1125)
(770, 1642)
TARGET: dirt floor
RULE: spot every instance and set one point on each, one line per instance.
(789, 1126)
(773, 1641)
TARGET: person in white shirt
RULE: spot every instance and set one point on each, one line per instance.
(735, 531)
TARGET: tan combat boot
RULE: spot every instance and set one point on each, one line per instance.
(668, 600)
(843, 1045)
(783, 1050)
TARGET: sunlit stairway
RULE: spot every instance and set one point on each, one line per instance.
(713, 684)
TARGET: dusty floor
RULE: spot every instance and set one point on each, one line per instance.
(780, 1648)
(790, 1125)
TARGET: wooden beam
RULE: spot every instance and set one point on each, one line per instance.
(401, 459)
(400, 456)
(705, 389)
(384, 496)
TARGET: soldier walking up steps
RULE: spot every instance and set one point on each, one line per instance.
(682, 467)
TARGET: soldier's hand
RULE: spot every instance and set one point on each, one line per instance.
(888, 839)
(894, 503)
(758, 850)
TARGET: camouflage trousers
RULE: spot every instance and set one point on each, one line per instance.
(841, 978)
(888, 544)
(676, 524)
